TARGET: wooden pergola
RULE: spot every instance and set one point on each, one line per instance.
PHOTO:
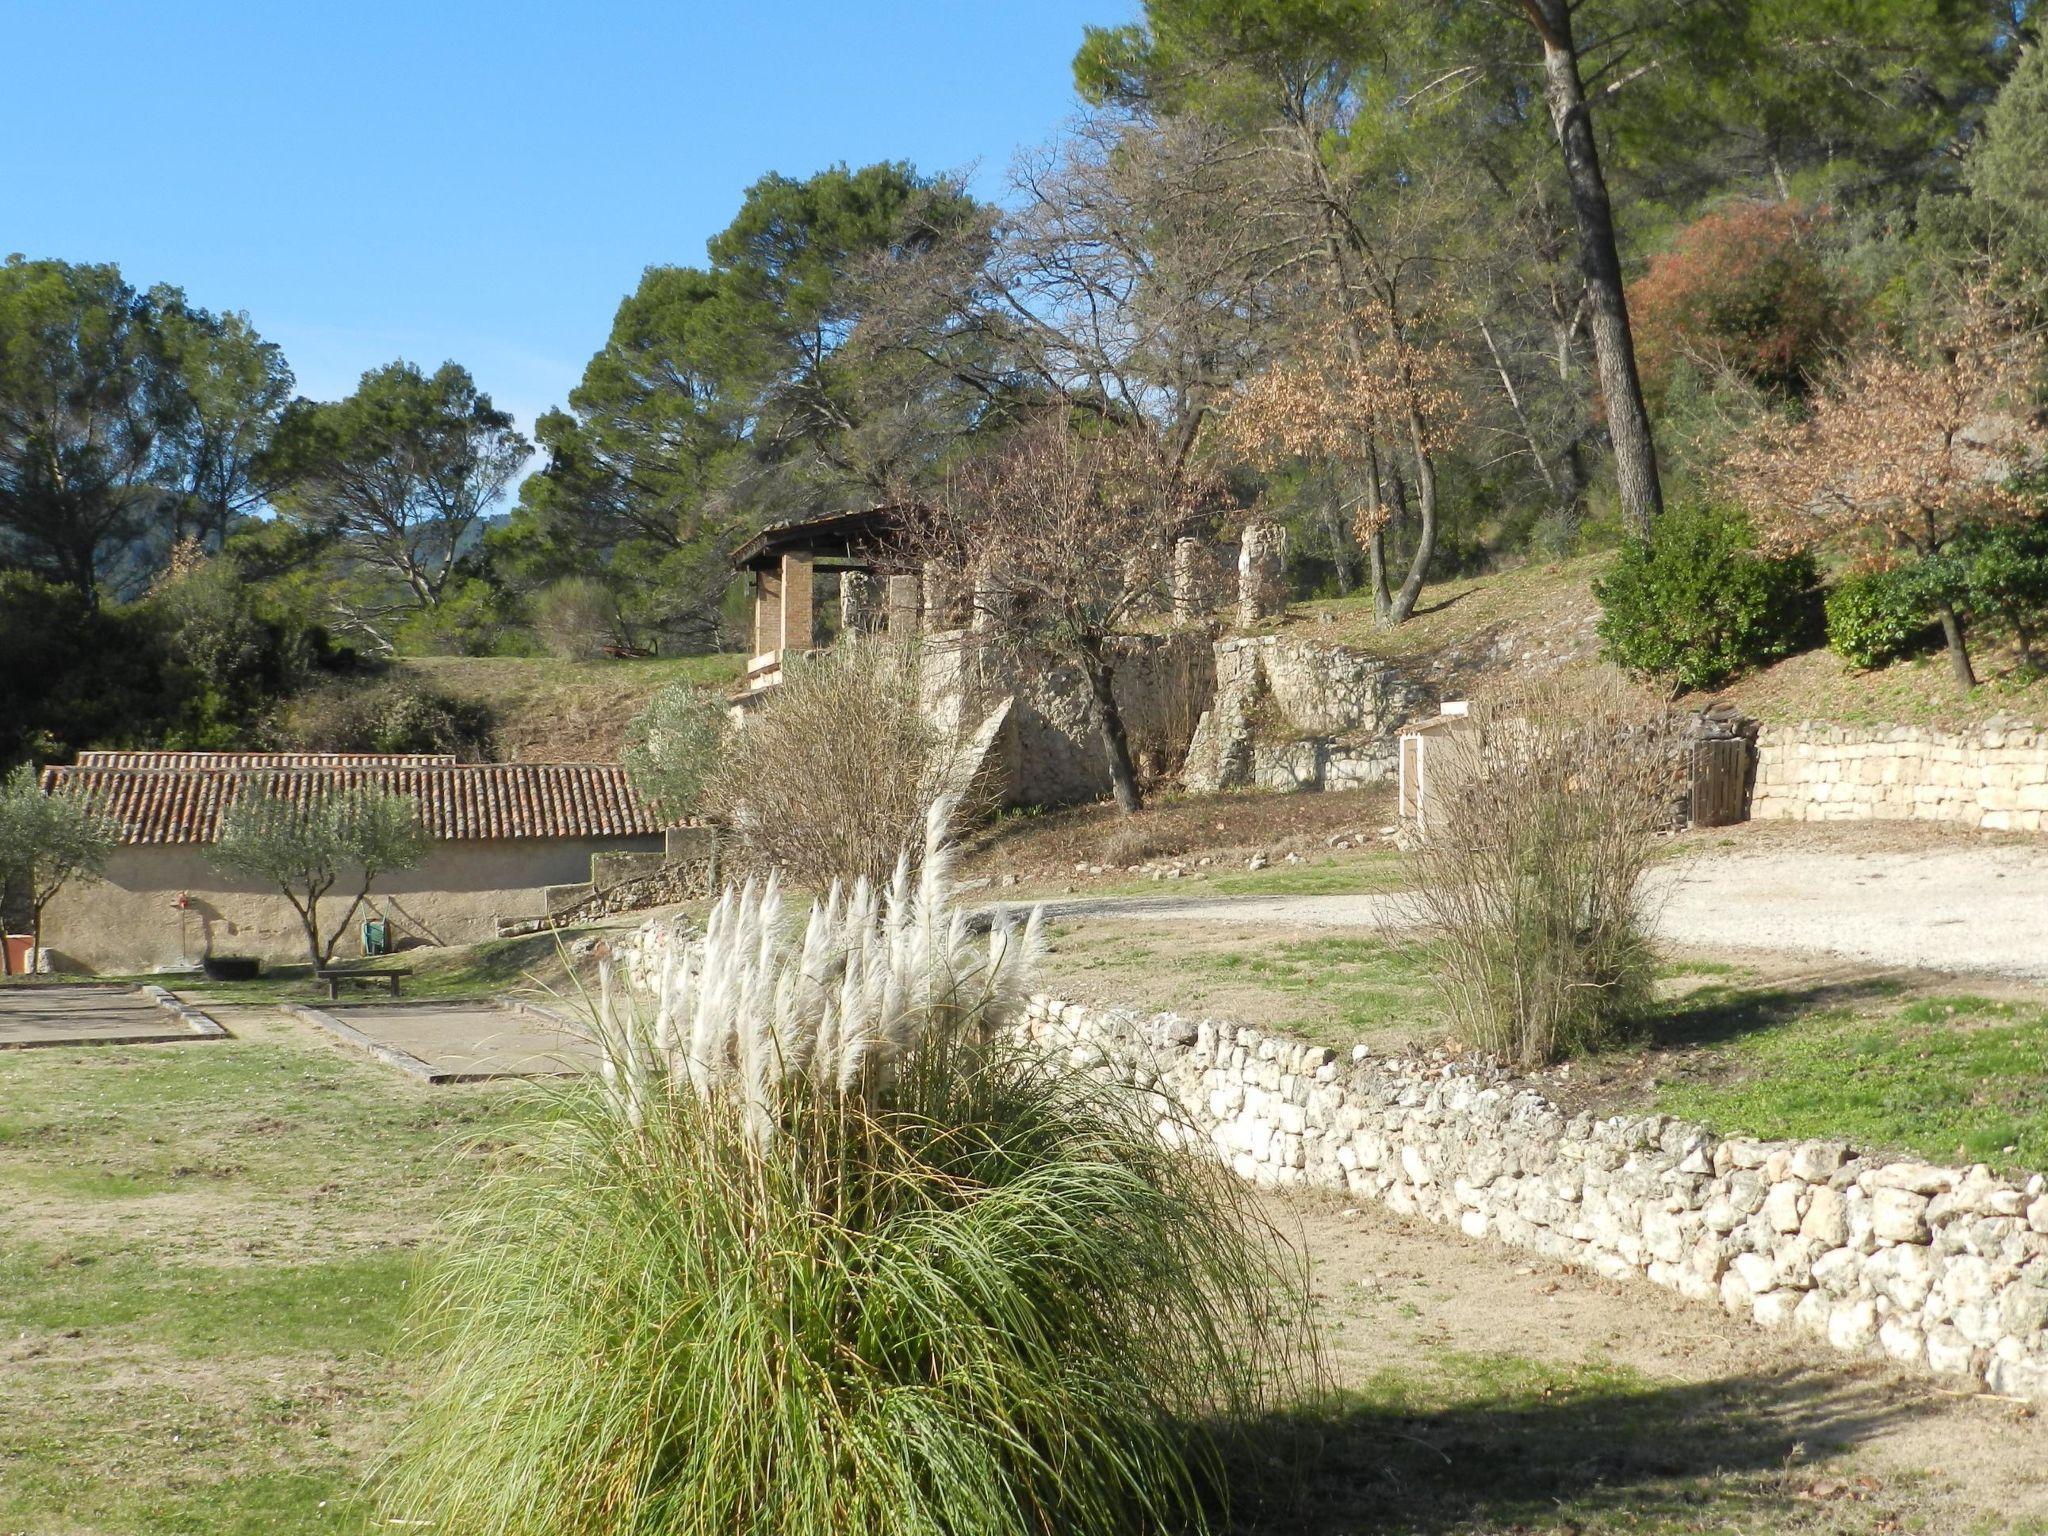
(865, 547)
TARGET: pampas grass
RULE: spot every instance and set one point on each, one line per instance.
(828, 1251)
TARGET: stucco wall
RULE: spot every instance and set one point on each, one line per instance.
(126, 922)
(1991, 776)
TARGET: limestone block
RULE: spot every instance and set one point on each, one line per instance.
(1853, 1324)
(1261, 574)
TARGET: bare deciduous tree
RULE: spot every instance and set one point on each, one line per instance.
(1900, 454)
(1332, 399)
(1067, 532)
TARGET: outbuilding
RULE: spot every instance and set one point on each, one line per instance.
(506, 838)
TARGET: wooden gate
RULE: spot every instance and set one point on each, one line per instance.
(1720, 782)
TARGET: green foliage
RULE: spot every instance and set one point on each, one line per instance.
(2002, 573)
(304, 843)
(231, 658)
(673, 747)
(126, 420)
(991, 1304)
(1696, 603)
(47, 841)
(397, 477)
(727, 396)
(388, 715)
(87, 404)
(1875, 616)
(75, 674)
(473, 618)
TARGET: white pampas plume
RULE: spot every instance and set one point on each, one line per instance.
(757, 1005)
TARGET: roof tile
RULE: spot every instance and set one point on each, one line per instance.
(178, 803)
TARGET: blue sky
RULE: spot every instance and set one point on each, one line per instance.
(447, 178)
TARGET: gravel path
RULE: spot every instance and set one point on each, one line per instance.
(1976, 909)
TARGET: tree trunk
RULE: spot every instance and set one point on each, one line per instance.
(1628, 420)
(309, 919)
(1425, 536)
(1376, 541)
(1116, 746)
(1376, 555)
(1958, 647)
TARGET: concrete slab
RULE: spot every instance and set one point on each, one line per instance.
(34, 1014)
(458, 1041)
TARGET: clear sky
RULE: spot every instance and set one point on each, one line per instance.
(453, 179)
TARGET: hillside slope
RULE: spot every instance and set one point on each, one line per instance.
(1470, 634)
(563, 711)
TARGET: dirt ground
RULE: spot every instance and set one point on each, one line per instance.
(1882, 896)
(64, 1015)
(1500, 1391)
(462, 1040)
(1086, 846)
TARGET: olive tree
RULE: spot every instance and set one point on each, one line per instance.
(673, 747)
(46, 841)
(307, 844)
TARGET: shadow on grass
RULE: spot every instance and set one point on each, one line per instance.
(1720, 1012)
(1568, 1453)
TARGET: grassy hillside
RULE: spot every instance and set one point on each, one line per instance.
(1541, 617)
(564, 711)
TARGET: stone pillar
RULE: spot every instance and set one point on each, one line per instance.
(905, 597)
(1261, 574)
(944, 595)
(767, 611)
(797, 631)
(1192, 596)
(860, 602)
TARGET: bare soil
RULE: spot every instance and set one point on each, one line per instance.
(1087, 847)
(1500, 1392)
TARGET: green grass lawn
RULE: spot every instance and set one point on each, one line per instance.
(1346, 989)
(1953, 1078)
(203, 1278)
(1356, 875)
(1329, 990)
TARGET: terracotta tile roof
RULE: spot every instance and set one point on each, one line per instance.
(113, 759)
(460, 802)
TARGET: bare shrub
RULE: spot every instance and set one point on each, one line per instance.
(835, 769)
(1541, 823)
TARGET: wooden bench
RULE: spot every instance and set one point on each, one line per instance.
(334, 977)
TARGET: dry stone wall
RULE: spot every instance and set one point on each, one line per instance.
(1943, 1269)
(1993, 776)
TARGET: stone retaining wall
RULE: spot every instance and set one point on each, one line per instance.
(1290, 713)
(1940, 1268)
(1991, 776)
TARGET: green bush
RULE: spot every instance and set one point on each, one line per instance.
(1876, 616)
(1696, 603)
(2004, 576)
(828, 1252)
(673, 747)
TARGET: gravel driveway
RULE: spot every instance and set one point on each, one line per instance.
(1972, 909)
